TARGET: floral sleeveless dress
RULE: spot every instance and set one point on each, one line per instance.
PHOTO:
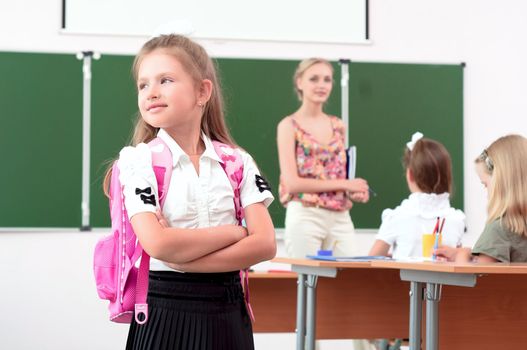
(319, 161)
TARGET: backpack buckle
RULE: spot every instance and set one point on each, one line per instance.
(141, 313)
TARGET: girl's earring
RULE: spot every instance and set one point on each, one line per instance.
(200, 104)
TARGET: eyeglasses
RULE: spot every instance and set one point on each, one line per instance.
(484, 156)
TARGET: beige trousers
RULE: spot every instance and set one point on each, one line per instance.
(308, 229)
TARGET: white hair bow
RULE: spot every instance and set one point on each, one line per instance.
(415, 137)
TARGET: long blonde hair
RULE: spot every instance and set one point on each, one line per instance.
(506, 161)
(302, 67)
(199, 65)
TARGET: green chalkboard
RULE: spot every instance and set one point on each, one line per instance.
(40, 140)
(388, 103)
(41, 133)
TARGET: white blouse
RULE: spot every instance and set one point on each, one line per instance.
(207, 199)
(403, 227)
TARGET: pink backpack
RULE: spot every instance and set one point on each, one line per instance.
(116, 276)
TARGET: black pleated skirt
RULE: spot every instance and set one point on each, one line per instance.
(193, 311)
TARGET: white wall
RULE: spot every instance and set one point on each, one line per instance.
(46, 277)
(48, 294)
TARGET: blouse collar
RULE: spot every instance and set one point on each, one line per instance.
(177, 151)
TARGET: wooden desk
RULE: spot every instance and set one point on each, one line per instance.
(341, 311)
(492, 315)
(370, 300)
(273, 300)
(337, 304)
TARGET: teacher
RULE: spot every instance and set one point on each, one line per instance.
(313, 184)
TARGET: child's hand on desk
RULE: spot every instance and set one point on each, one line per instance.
(444, 252)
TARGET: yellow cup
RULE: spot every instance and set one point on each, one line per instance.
(429, 240)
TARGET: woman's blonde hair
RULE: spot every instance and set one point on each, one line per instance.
(506, 161)
(305, 65)
(200, 66)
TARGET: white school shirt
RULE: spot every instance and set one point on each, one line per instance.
(403, 227)
(206, 200)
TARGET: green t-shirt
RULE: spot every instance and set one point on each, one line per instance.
(498, 242)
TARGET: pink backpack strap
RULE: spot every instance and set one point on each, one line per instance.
(162, 165)
(232, 164)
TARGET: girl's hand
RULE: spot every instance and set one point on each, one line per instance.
(444, 252)
(241, 230)
(357, 185)
(453, 254)
(161, 219)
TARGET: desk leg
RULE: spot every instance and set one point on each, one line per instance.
(416, 299)
(311, 316)
(301, 312)
(433, 294)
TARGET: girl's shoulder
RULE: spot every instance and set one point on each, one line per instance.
(249, 164)
(387, 214)
(403, 210)
(254, 187)
(456, 214)
(426, 206)
(246, 157)
(497, 228)
(226, 152)
(407, 206)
